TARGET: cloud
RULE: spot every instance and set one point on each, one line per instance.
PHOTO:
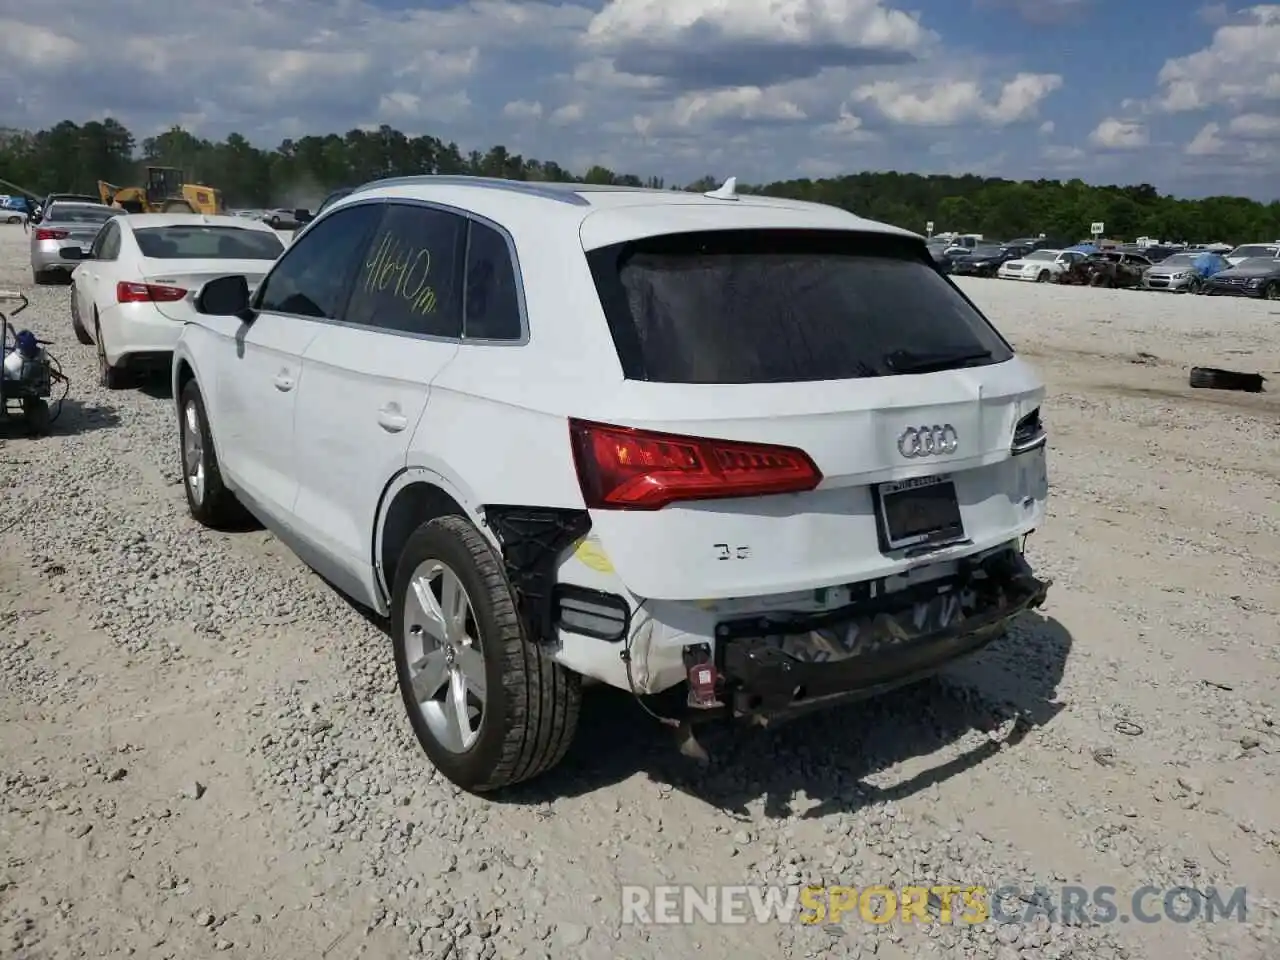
(925, 104)
(568, 114)
(522, 110)
(254, 65)
(702, 44)
(1255, 126)
(1240, 65)
(1115, 134)
(712, 108)
(1207, 143)
(762, 89)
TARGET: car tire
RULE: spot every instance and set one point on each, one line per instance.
(1044, 276)
(209, 501)
(40, 278)
(529, 705)
(110, 377)
(1271, 291)
(77, 326)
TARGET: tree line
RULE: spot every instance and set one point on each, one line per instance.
(73, 157)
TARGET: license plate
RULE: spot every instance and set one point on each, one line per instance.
(918, 511)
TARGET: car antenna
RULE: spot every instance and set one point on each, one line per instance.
(729, 191)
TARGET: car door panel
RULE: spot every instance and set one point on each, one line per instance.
(368, 379)
(262, 374)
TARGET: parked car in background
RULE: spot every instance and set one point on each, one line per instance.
(762, 446)
(1038, 243)
(1184, 272)
(17, 209)
(64, 224)
(1040, 266)
(42, 208)
(985, 261)
(287, 219)
(134, 288)
(1252, 251)
(1115, 268)
(1255, 277)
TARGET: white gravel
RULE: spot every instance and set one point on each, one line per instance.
(202, 751)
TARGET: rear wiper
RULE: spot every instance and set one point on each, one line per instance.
(908, 361)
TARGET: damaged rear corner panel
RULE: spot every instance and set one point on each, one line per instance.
(532, 540)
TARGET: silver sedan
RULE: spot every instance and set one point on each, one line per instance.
(65, 224)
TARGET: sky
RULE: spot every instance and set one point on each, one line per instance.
(1175, 93)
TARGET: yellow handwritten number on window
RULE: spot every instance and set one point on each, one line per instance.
(393, 260)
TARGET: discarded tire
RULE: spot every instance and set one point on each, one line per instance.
(1210, 378)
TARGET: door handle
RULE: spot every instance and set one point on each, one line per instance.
(391, 419)
(284, 382)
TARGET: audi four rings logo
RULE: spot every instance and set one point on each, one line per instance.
(928, 441)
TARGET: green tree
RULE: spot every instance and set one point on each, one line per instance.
(299, 172)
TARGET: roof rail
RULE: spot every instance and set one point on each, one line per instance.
(525, 187)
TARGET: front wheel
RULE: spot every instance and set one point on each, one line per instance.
(489, 708)
(1271, 291)
(1044, 276)
(1195, 285)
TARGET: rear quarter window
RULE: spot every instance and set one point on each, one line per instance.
(782, 306)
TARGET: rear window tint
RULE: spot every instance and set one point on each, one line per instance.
(213, 243)
(782, 306)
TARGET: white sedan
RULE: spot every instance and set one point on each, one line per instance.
(1040, 266)
(135, 286)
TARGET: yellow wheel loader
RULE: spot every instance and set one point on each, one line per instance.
(166, 192)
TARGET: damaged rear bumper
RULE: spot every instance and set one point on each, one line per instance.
(773, 668)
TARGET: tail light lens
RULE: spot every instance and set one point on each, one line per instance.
(47, 233)
(127, 292)
(1029, 434)
(621, 468)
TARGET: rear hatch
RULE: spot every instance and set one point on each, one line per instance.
(864, 411)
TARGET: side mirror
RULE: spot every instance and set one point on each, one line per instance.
(224, 297)
(73, 253)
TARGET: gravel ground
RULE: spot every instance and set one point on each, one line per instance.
(202, 751)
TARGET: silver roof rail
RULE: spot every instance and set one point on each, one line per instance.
(524, 187)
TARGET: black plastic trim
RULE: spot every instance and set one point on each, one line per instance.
(532, 539)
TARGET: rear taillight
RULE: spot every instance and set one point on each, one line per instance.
(1029, 434)
(127, 292)
(621, 468)
(47, 233)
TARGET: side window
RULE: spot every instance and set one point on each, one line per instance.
(106, 245)
(409, 279)
(491, 302)
(311, 277)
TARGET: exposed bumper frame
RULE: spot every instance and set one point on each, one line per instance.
(898, 638)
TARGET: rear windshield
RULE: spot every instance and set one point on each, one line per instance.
(784, 306)
(70, 213)
(214, 243)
